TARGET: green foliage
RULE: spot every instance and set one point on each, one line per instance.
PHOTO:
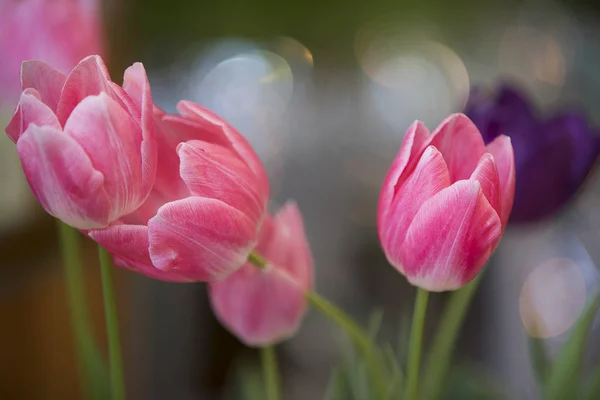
(564, 380)
(351, 379)
(248, 382)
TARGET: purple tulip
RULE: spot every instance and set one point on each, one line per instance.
(553, 156)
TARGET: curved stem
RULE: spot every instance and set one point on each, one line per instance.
(270, 373)
(440, 354)
(360, 338)
(416, 341)
(112, 327)
(90, 362)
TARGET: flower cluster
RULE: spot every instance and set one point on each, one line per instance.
(183, 197)
(179, 198)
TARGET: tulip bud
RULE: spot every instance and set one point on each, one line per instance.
(262, 306)
(86, 144)
(445, 202)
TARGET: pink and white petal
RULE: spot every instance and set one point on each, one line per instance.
(502, 150)
(168, 182)
(487, 176)
(184, 129)
(63, 179)
(450, 239)
(216, 172)
(149, 270)
(260, 307)
(287, 247)
(461, 144)
(46, 80)
(410, 150)
(135, 83)
(31, 110)
(212, 122)
(202, 239)
(428, 178)
(125, 241)
(112, 139)
(89, 78)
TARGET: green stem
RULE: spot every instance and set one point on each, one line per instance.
(440, 355)
(416, 341)
(360, 338)
(112, 327)
(90, 363)
(270, 373)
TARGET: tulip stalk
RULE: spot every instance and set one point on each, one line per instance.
(270, 373)
(416, 341)
(112, 327)
(90, 363)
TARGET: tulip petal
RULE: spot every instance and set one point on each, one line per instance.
(47, 81)
(129, 246)
(202, 239)
(260, 306)
(429, 178)
(149, 271)
(502, 151)
(62, 178)
(459, 140)
(89, 78)
(125, 241)
(31, 110)
(216, 172)
(410, 150)
(214, 123)
(450, 239)
(285, 245)
(183, 129)
(487, 176)
(136, 85)
(112, 139)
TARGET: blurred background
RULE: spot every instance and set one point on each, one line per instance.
(324, 91)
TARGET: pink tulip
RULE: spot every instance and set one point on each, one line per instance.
(59, 32)
(445, 202)
(264, 306)
(206, 208)
(86, 144)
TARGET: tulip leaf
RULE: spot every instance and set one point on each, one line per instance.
(471, 382)
(250, 382)
(394, 389)
(593, 388)
(540, 361)
(338, 387)
(374, 325)
(563, 380)
(403, 336)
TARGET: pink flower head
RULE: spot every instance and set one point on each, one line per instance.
(58, 32)
(265, 306)
(206, 207)
(86, 144)
(445, 202)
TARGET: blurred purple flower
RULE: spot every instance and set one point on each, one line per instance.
(552, 156)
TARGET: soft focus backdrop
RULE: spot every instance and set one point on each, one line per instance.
(324, 91)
